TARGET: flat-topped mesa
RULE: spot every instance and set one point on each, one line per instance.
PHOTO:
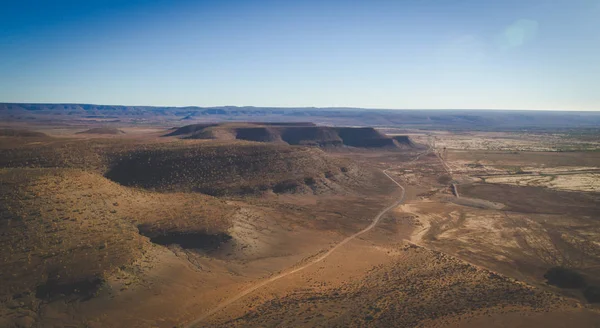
(22, 133)
(404, 141)
(364, 138)
(311, 136)
(189, 129)
(260, 134)
(104, 130)
(306, 134)
(305, 124)
(237, 168)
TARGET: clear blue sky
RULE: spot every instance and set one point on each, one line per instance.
(526, 54)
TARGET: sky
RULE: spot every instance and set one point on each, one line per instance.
(402, 54)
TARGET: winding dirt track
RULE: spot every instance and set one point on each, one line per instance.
(263, 283)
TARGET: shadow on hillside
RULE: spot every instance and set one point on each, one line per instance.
(187, 240)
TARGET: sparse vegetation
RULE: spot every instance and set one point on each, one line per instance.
(188, 221)
(444, 179)
(419, 286)
(238, 168)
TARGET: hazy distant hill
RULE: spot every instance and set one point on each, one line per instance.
(449, 119)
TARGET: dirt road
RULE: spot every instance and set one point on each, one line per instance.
(245, 292)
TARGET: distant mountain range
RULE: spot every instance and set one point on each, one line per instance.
(427, 119)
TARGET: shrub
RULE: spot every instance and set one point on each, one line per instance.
(444, 179)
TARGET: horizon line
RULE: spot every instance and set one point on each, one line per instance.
(306, 107)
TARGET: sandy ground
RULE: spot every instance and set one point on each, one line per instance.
(505, 141)
(574, 182)
(372, 284)
(435, 261)
(547, 175)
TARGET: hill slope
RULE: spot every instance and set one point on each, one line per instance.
(235, 168)
(63, 230)
(213, 167)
